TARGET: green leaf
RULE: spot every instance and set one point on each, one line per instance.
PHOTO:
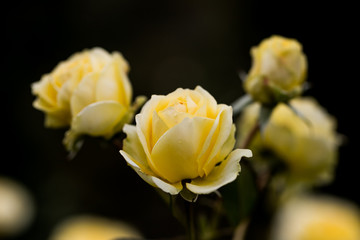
(240, 196)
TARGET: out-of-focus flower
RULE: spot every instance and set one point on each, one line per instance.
(278, 71)
(184, 139)
(91, 227)
(313, 217)
(306, 141)
(16, 208)
(90, 91)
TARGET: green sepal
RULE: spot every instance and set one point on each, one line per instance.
(187, 195)
(239, 104)
(299, 114)
(138, 103)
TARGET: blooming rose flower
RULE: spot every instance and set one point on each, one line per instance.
(278, 71)
(184, 139)
(89, 91)
(316, 217)
(307, 141)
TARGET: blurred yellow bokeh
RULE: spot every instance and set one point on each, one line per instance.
(16, 207)
(91, 227)
(315, 217)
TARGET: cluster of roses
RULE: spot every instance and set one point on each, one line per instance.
(184, 141)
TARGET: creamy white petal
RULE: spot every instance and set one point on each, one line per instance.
(99, 119)
(173, 189)
(98, 58)
(223, 174)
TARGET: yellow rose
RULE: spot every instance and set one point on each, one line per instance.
(316, 218)
(90, 91)
(307, 143)
(279, 69)
(184, 139)
(91, 227)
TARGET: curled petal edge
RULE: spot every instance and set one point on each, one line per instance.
(172, 189)
(221, 175)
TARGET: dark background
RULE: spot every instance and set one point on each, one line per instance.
(169, 44)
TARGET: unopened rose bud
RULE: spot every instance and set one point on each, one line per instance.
(278, 71)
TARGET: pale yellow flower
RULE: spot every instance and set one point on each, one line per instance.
(307, 143)
(278, 71)
(184, 139)
(312, 217)
(90, 91)
(16, 208)
(91, 227)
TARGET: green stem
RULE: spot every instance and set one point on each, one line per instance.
(191, 221)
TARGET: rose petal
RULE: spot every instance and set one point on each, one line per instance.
(99, 119)
(223, 174)
(133, 151)
(124, 69)
(172, 116)
(175, 153)
(228, 145)
(218, 136)
(173, 189)
(210, 102)
(144, 121)
(158, 129)
(45, 91)
(84, 94)
(69, 82)
(191, 106)
(113, 83)
(98, 58)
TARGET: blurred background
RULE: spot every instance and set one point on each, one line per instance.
(169, 44)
